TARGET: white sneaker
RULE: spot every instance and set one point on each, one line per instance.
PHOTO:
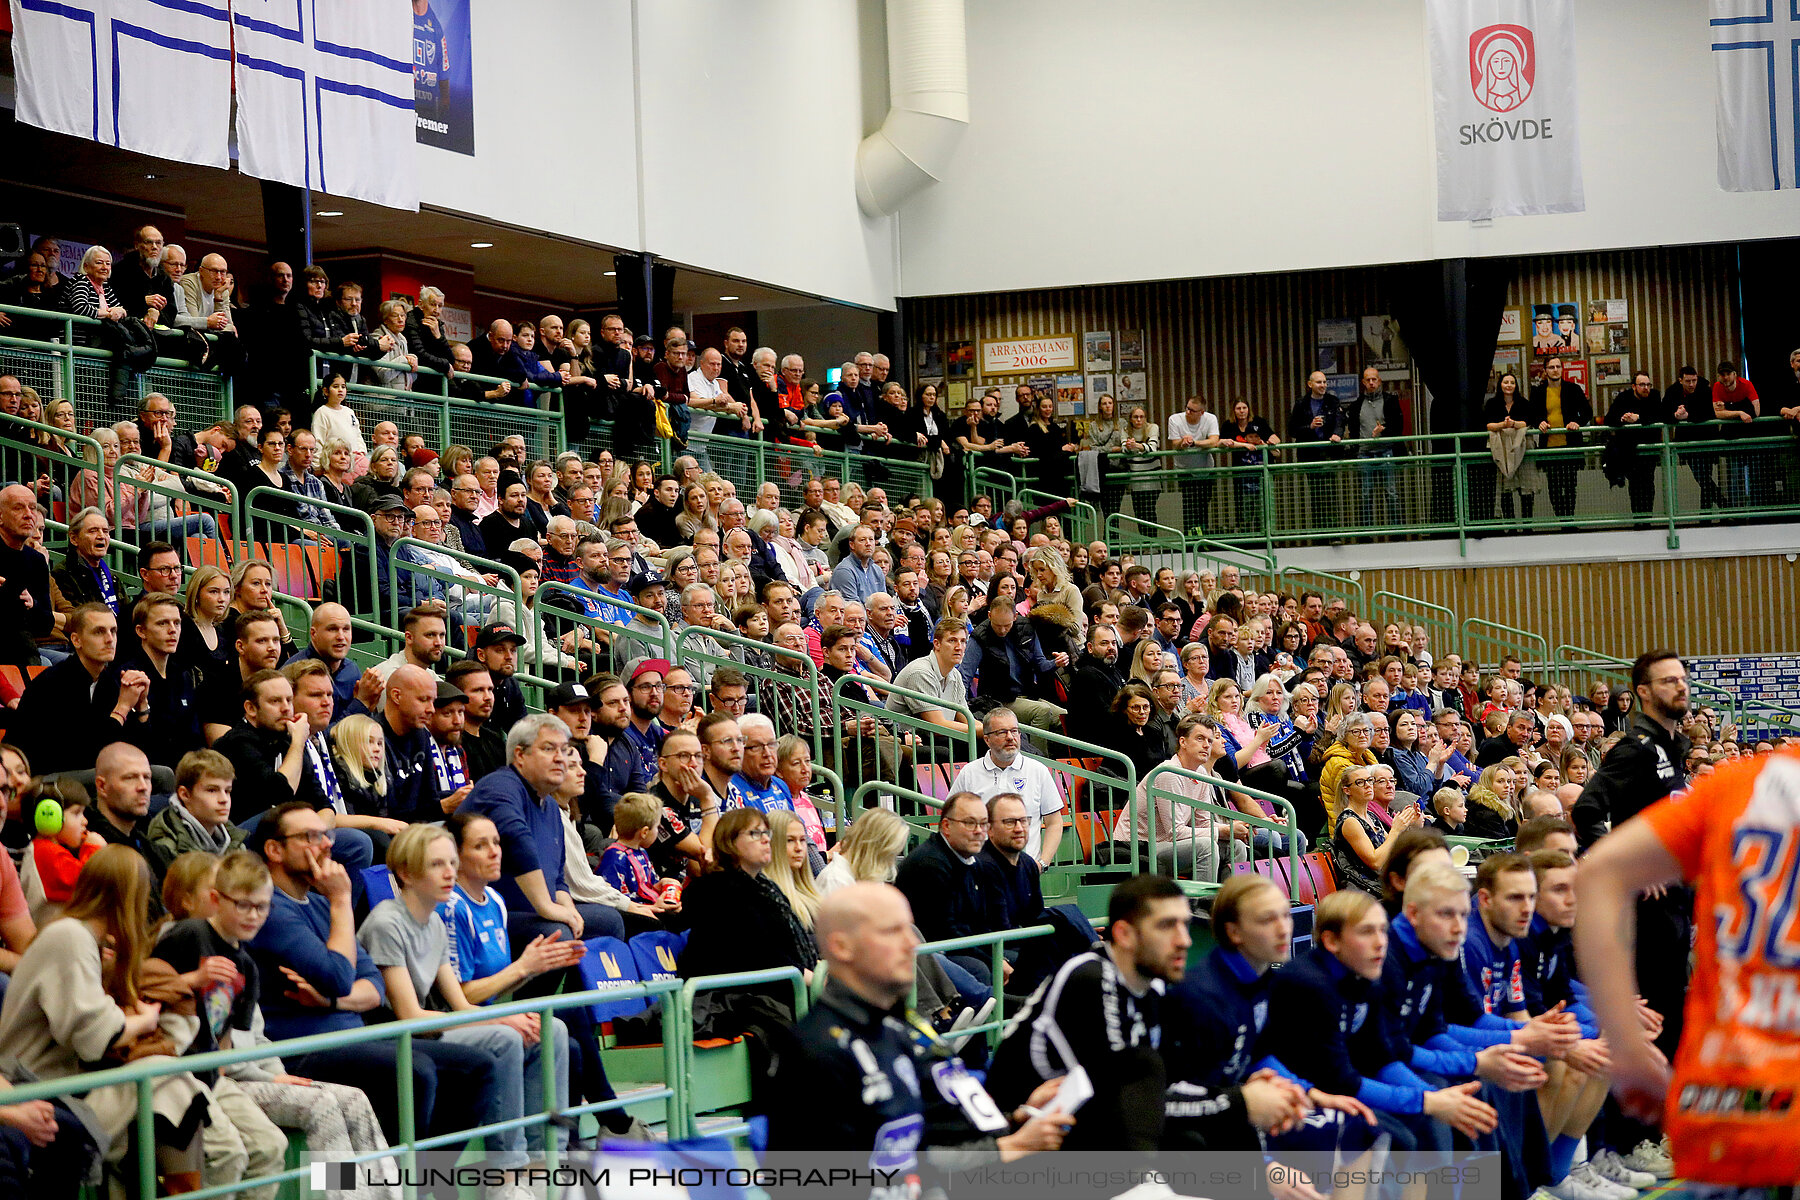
(1574, 1188)
(1591, 1176)
(1610, 1167)
(1650, 1158)
(966, 1018)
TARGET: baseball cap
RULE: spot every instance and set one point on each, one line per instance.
(391, 504)
(448, 693)
(493, 635)
(638, 666)
(640, 583)
(644, 339)
(567, 695)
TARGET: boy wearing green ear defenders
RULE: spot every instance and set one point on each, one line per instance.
(58, 852)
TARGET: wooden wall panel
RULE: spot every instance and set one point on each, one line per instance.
(1253, 336)
(1698, 606)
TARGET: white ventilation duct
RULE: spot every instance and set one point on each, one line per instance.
(928, 88)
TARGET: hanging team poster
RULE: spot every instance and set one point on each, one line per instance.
(1503, 94)
(1382, 347)
(959, 360)
(443, 75)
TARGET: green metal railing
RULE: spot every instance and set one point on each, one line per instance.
(926, 733)
(1489, 641)
(51, 472)
(444, 420)
(1387, 607)
(996, 944)
(143, 1074)
(508, 588)
(197, 492)
(1327, 584)
(686, 1120)
(1144, 853)
(62, 369)
(763, 680)
(354, 542)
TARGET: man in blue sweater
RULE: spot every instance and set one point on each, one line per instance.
(320, 981)
(1322, 1002)
(518, 799)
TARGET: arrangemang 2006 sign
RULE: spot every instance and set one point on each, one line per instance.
(1024, 356)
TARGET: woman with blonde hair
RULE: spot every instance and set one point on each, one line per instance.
(1351, 749)
(253, 591)
(1146, 661)
(359, 755)
(696, 513)
(868, 851)
(1050, 584)
(208, 603)
(1492, 805)
(791, 867)
(70, 1007)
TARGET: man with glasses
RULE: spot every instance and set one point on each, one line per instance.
(560, 564)
(644, 679)
(691, 806)
(465, 496)
(1589, 733)
(1005, 770)
(680, 697)
(319, 980)
(946, 883)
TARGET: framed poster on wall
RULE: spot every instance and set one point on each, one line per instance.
(1131, 350)
(959, 360)
(1099, 385)
(1133, 388)
(1097, 351)
(1070, 399)
(928, 360)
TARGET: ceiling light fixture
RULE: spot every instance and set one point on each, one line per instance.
(481, 245)
(329, 212)
(609, 273)
(728, 297)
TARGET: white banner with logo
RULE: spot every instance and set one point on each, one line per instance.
(1503, 91)
(1756, 60)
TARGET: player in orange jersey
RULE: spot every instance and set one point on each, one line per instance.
(1729, 1102)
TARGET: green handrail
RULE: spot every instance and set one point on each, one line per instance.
(687, 649)
(684, 1019)
(842, 703)
(208, 494)
(996, 944)
(355, 531)
(1386, 606)
(1152, 790)
(662, 641)
(508, 589)
(144, 1073)
(1123, 778)
(1334, 586)
(1479, 634)
(71, 465)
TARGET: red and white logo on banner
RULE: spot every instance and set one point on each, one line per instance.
(1502, 66)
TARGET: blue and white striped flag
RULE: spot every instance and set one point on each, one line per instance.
(1756, 58)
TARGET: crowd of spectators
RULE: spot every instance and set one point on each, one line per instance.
(211, 789)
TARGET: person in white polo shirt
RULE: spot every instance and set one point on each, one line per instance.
(1004, 769)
